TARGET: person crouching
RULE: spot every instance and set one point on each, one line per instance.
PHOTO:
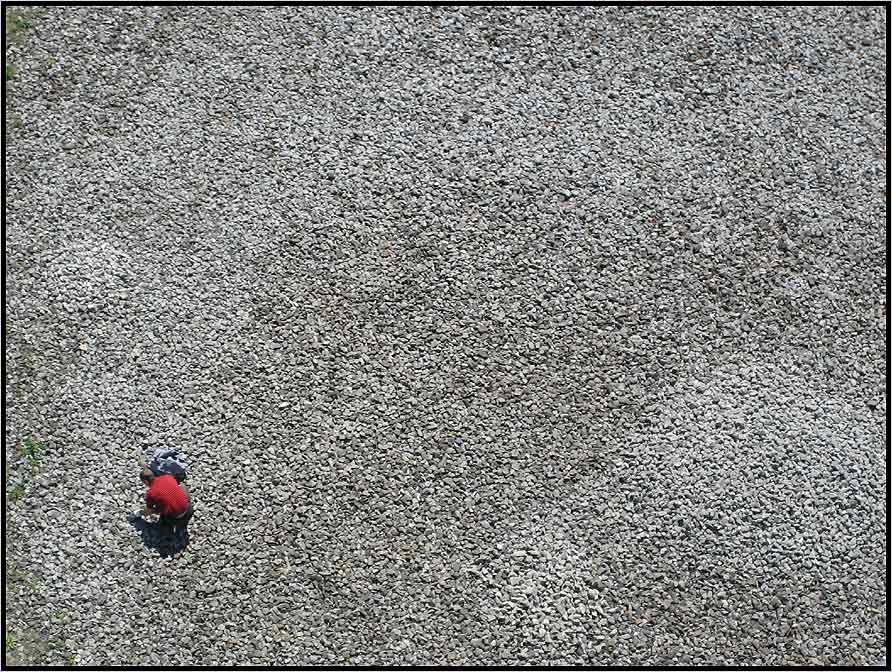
(169, 500)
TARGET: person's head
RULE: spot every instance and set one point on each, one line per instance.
(146, 476)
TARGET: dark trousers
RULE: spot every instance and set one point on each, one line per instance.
(177, 523)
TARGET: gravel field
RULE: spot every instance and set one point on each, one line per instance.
(496, 336)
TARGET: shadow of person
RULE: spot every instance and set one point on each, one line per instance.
(159, 536)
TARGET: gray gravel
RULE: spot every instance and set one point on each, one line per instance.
(496, 336)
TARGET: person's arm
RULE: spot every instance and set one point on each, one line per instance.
(150, 508)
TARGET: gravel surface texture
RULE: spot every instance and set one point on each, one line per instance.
(496, 336)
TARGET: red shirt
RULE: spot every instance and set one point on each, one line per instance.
(167, 496)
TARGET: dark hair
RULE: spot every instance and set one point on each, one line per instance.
(147, 475)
